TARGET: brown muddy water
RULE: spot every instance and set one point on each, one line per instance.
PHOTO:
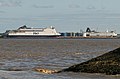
(54, 54)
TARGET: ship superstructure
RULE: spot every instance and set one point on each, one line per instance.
(24, 31)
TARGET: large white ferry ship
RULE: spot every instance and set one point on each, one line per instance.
(24, 31)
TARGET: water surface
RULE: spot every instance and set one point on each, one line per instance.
(55, 54)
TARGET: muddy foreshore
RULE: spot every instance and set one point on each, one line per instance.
(108, 63)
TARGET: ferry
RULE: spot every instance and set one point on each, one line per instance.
(94, 34)
(25, 31)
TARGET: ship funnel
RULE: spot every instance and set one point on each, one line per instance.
(88, 30)
(51, 27)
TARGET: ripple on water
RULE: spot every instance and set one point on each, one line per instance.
(52, 54)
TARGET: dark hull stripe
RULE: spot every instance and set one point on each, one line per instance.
(32, 36)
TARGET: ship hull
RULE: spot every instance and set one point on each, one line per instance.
(32, 36)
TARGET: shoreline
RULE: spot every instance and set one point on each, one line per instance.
(61, 37)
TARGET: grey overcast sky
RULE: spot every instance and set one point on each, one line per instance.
(65, 15)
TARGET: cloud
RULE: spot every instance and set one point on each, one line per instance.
(2, 11)
(43, 6)
(74, 6)
(10, 3)
(91, 7)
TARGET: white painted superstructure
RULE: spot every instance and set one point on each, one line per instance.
(25, 31)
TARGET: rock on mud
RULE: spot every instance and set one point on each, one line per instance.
(47, 71)
(108, 63)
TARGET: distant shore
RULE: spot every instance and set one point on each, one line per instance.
(66, 37)
(60, 37)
